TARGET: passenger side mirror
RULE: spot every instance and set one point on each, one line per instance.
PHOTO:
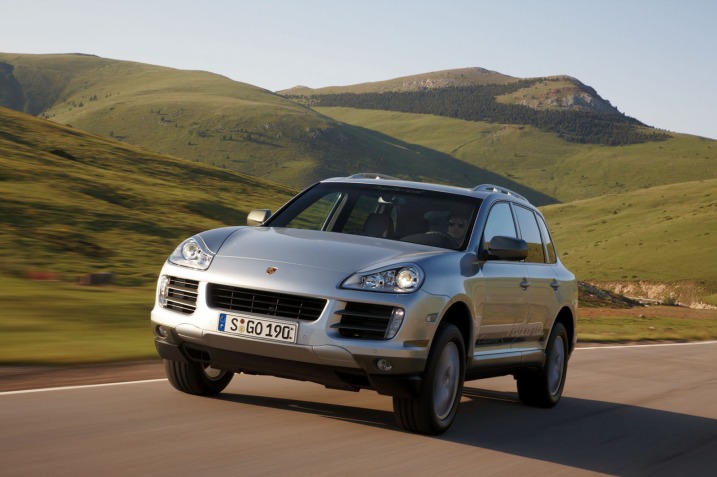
(258, 217)
(506, 248)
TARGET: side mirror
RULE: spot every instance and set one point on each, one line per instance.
(506, 248)
(258, 217)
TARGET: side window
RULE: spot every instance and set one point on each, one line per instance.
(499, 223)
(531, 234)
(552, 255)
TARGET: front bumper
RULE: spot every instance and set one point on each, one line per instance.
(320, 354)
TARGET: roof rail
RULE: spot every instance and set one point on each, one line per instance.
(371, 175)
(502, 190)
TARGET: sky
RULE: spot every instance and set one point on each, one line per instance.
(655, 60)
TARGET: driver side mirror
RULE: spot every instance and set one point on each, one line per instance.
(258, 217)
(506, 248)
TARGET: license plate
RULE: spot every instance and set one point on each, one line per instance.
(259, 328)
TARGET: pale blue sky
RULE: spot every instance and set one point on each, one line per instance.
(654, 60)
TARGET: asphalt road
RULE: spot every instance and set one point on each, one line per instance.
(648, 410)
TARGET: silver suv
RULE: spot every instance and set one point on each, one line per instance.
(370, 282)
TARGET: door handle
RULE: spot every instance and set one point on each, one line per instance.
(524, 284)
(555, 284)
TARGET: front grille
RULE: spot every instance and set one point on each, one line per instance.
(181, 295)
(265, 303)
(364, 321)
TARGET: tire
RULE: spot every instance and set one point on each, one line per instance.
(196, 378)
(434, 409)
(543, 388)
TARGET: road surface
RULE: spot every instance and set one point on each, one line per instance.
(640, 410)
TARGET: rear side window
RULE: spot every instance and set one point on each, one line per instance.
(530, 232)
(552, 256)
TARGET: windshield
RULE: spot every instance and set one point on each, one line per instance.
(393, 213)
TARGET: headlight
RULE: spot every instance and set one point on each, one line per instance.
(404, 279)
(192, 253)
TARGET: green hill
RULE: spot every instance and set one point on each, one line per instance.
(664, 234)
(192, 114)
(72, 203)
(542, 161)
(208, 118)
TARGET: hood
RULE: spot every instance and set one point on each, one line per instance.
(315, 249)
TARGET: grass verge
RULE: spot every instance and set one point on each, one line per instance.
(59, 323)
(643, 324)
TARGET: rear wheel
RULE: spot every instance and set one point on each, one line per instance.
(197, 378)
(543, 388)
(435, 407)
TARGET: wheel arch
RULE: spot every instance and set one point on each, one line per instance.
(459, 315)
(567, 318)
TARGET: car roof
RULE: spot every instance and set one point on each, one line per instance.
(481, 191)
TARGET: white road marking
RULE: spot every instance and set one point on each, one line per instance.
(655, 345)
(84, 386)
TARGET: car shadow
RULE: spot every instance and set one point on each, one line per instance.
(596, 436)
(367, 417)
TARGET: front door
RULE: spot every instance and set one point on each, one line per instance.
(503, 301)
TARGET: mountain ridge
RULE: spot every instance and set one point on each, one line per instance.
(434, 79)
(555, 92)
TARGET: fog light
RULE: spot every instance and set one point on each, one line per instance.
(384, 365)
(162, 332)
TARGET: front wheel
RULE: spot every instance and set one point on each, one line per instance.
(435, 407)
(543, 388)
(196, 378)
